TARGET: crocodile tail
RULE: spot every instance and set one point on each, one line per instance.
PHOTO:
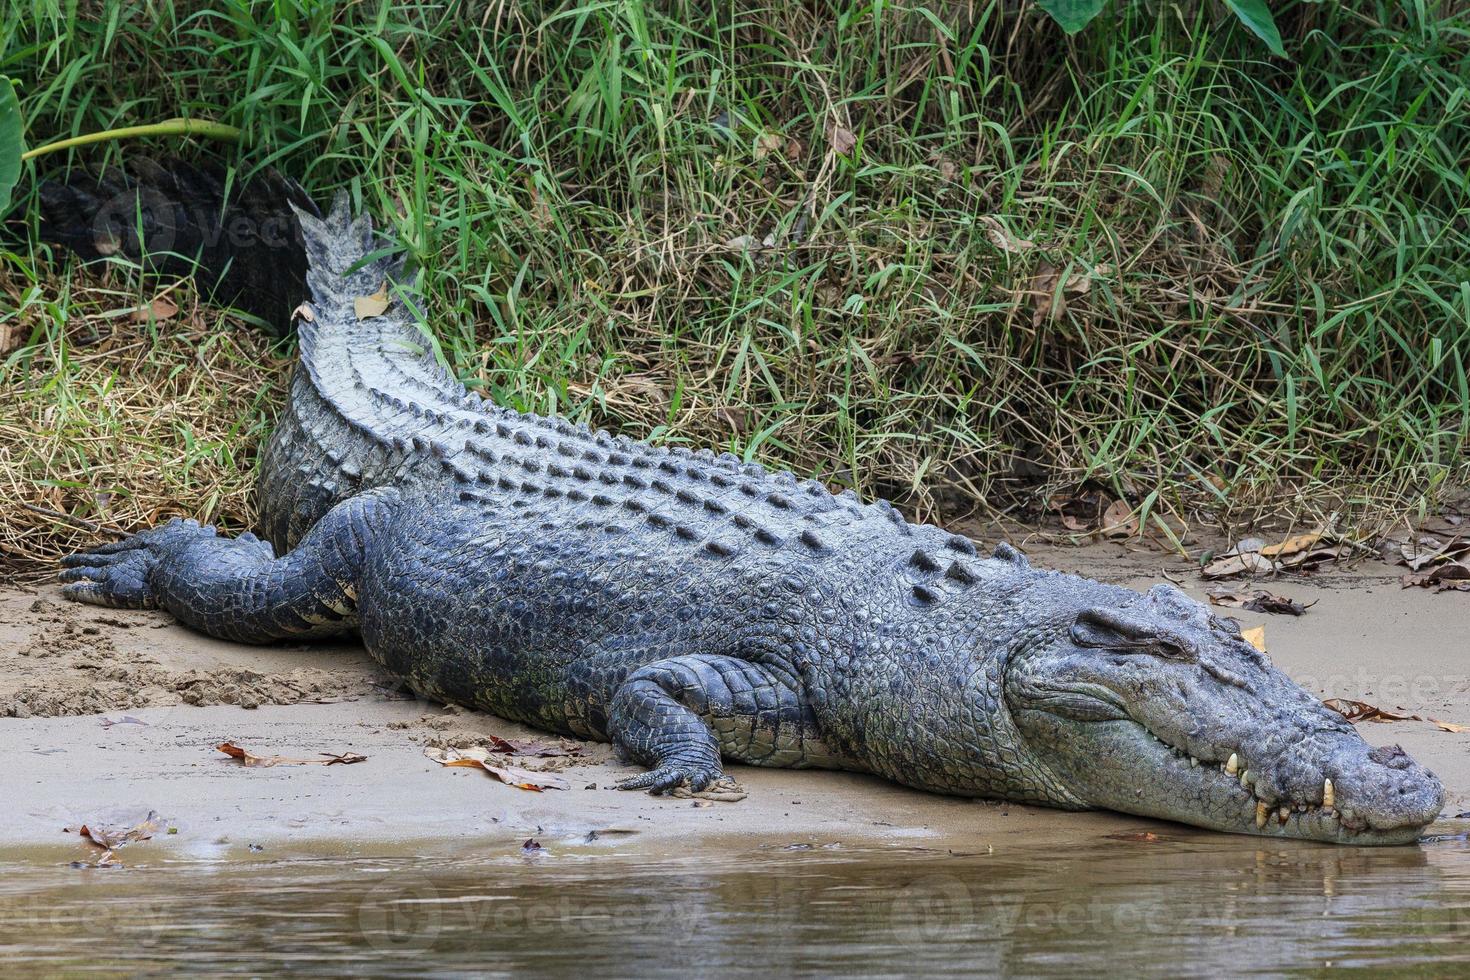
(345, 259)
(240, 240)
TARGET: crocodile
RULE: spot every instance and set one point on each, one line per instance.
(694, 608)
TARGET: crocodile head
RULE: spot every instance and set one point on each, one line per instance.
(1148, 704)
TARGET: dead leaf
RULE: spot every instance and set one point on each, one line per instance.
(112, 838)
(842, 140)
(162, 308)
(266, 761)
(1313, 557)
(1249, 563)
(1257, 600)
(1118, 521)
(1255, 636)
(767, 143)
(478, 758)
(1444, 577)
(367, 307)
(515, 746)
(1081, 511)
(1002, 239)
(1356, 711)
(1449, 726)
(1425, 549)
(532, 845)
(1292, 545)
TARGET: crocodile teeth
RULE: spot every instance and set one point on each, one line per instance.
(1246, 779)
(1329, 798)
(1283, 813)
(1232, 765)
(1261, 811)
(1193, 762)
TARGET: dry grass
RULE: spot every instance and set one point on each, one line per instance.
(114, 423)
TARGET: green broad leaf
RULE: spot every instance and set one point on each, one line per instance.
(10, 142)
(1073, 15)
(1255, 15)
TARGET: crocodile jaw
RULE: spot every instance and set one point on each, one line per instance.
(1379, 796)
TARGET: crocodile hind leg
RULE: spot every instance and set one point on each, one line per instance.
(680, 716)
(237, 589)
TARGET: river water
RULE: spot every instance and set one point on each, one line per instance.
(1156, 904)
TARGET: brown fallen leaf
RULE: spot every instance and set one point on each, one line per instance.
(1258, 600)
(1002, 238)
(1443, 577)
(1118, 521)
(1080, 511)
(162, 308)
(1312, 557)
(1292, 545)
(478, 758)
(1363, 711)
(266, 761)
(1255, 636)
(1229, 566)
(367, 307)
(1049, 303)
(111, 838)
(842, 140)
(1425, 549)
(1449, 726)
(539, 750)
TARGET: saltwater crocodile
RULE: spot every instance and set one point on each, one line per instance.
(694, 608)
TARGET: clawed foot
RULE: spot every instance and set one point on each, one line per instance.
(119, 574)
(674, 774)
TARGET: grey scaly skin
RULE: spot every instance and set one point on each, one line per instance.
(694, 609)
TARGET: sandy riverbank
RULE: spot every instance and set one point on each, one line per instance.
(78, 671)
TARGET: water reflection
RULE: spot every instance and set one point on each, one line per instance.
(1160, 905)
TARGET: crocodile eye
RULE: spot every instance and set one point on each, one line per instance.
(1120, 630)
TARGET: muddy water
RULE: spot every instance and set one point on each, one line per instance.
(1155, 906)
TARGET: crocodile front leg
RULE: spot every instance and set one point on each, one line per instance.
(679, 716)
(237, 589)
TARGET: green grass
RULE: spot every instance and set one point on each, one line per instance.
(1247, 290)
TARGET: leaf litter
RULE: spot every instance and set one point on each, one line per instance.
(477, 757)
(1257, 600)
(1356, 711)
(1437, 557)
(113, 838)
(252, 761)
(1297, 553)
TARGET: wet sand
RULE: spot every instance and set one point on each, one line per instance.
(74, 673)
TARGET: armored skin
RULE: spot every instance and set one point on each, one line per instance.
(696, 609)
